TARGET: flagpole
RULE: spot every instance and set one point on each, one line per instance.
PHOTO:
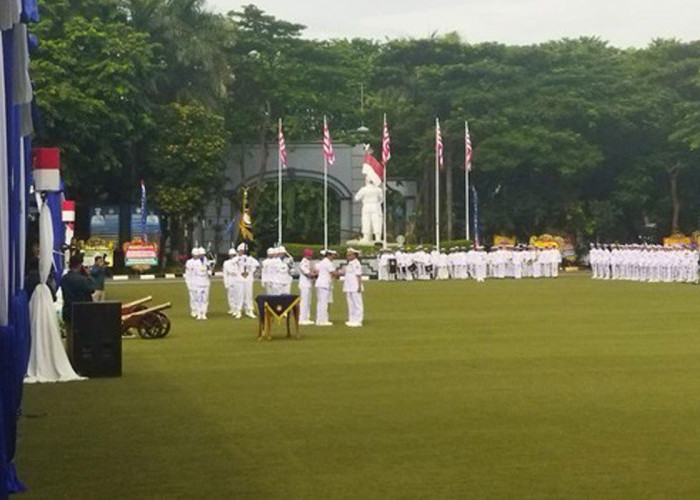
(279, 184)
(384, 185)
(466, 181)
(325, 202)
(437, 187)
(325, 193)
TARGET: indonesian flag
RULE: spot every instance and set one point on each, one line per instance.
(373, 169)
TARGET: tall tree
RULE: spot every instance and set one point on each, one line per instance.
(186, 159)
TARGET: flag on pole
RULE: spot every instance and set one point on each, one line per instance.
(467, 148)
(245, 223)
(438, 144)
(386, 144)
(372, 168)
(282, 146)
(143, 211)
(327, 144)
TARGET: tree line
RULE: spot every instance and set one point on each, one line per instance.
(570, 136)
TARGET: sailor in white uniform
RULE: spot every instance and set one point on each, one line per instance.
(325, 271)
(243, 281)
(352, 286)
(306, 282)
(189, 281)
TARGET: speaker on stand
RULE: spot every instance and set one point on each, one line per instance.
(94, 339)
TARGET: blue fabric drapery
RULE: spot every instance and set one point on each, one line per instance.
(54, 201)
(15, 335)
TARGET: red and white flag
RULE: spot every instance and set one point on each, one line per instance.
(386, 144)
(282, 145)
(467, 148)
(328, 153)
(438, 144)
(373, 169)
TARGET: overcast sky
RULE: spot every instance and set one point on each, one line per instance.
(624, 23)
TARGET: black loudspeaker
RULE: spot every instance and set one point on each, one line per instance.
(94, 339)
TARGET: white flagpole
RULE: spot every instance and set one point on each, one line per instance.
(325, 202)
(279, 184)
(466, 181)
(384, 184)
(437, 188)
(325, 193)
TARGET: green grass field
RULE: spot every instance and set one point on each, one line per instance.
(551, 388)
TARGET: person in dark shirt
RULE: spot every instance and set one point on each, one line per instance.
(76, 286)
(98, 272)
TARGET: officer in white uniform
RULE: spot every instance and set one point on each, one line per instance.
(306, 282)
(202, 282)
(266, 275)
(325, 271)
(285, 270)
(243, 281)
(230, 271)
(189, 281)
(352, 286)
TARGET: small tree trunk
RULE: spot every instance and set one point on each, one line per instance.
(673, 172)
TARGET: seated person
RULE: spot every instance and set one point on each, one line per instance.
(76, 285)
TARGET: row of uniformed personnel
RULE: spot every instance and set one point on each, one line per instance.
(650, 263)
(477, 263)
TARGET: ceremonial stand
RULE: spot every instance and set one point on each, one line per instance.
(277, 308)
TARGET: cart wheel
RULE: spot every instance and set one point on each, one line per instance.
(165, 321)
(149, 326)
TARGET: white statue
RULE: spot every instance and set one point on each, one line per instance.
(371, 197)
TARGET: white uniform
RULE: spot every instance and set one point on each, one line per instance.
(306, 282)
(200, 281)
(517, 260)
(441, 264)
(324, 287)
(352, 286)
(231, 272)
(383, 267)
(266, 276)
(285, 271)
(189, 281)
(243, 283)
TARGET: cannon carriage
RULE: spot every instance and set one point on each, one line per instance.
(147, 322)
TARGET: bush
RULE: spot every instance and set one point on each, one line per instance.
(295, 249)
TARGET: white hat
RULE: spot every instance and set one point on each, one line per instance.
(195, 250)
(281, 249)
(201, 251)
(232, 251)
(271, 251)
(242, 247)
(352, 250)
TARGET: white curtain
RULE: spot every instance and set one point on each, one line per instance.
(48, 361)
(4, 204)
(10, 11)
